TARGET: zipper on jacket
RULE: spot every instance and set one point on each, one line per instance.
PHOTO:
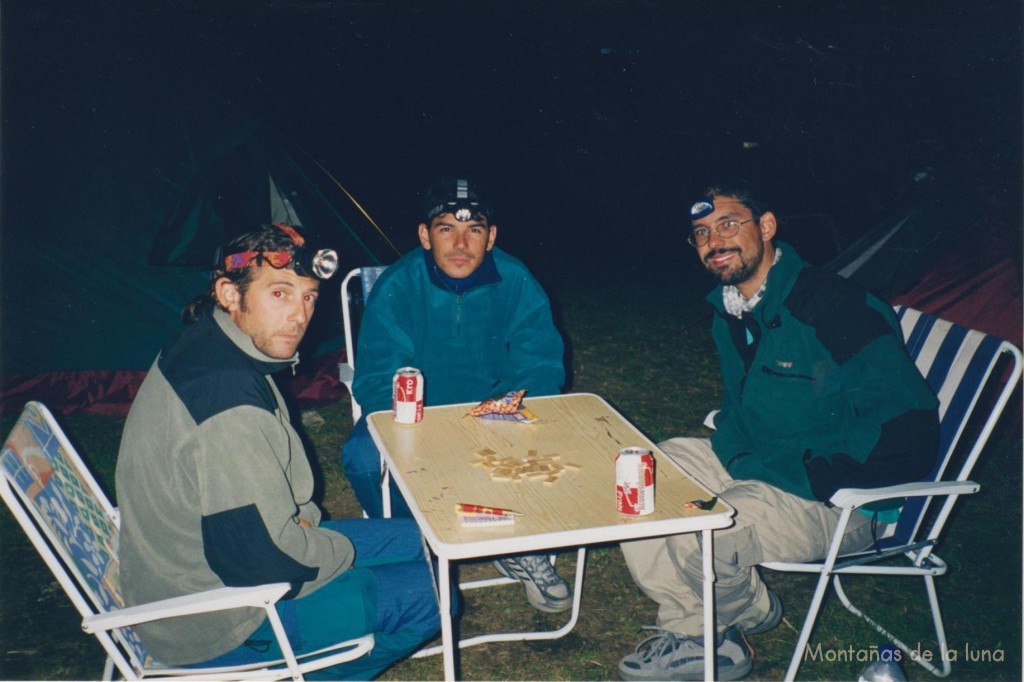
(783, 375)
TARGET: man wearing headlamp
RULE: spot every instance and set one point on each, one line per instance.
(215, 488)
(476, 323)
(819, 394)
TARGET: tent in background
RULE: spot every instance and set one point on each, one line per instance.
(950, 250)
(947, 250)
(86, 310)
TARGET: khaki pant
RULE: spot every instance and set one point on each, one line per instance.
(771, 525)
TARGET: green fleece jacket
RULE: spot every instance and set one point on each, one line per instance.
(211, 481)
(494, 336)
(819, 391)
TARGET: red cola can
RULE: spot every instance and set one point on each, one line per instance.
(407, 396)
(634, 481)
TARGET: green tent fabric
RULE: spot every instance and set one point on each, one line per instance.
(93, 289)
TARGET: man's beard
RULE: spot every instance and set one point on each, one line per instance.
(741, 274)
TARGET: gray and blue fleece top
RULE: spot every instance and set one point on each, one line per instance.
(211, 482)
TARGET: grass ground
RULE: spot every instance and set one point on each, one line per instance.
(626, 345)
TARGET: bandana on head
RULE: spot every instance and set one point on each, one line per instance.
(321, 263)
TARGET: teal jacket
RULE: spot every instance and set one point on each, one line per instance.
(496, 336)
(820, 393)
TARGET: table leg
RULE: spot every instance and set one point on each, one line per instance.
(385, 491)
(581, 556)
(709, 605)
(444, 586)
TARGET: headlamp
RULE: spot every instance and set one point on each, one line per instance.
(306, 262)
(322, 264)
(704, 207)
(462, 211)
(455, 197)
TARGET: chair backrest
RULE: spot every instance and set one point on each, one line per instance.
(959, 365)
(351, 296)
(67, 517)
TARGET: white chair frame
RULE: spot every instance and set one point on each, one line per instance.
(365, 277)
(89, 571)
(977, 356)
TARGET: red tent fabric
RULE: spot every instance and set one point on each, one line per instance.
(976, 284)
(110, 392)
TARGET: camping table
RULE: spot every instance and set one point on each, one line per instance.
(432, 463)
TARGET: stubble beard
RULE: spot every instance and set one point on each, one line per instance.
(262, 339)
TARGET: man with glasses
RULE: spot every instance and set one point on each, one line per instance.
(819, 395)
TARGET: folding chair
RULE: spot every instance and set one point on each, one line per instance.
(350, 297)
(75, 529)
(960, 365)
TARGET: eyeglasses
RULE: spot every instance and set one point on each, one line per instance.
(725, 229)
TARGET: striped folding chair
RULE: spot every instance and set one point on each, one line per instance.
(970, 372)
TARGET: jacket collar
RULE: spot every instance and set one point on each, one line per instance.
(781, 279)
(486, 274)
(242, 341)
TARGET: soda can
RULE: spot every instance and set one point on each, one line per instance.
(407, 396)
(634, 481)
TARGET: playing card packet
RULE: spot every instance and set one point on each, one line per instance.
(506, 407)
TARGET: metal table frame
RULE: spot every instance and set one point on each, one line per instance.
(450, 546)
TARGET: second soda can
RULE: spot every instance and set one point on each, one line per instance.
(634, 481)
(407, 396)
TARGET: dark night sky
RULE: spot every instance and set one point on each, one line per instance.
(569, 109)
(592, 121)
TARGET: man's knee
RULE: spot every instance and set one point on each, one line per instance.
(734, 550)
(406, 598)
(359, 454)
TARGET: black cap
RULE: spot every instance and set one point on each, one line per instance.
(457, 196)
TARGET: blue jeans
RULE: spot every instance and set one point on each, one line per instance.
(389, 591)
(361, 460)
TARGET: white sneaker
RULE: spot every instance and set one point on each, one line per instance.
(671, 657)
(545, 589)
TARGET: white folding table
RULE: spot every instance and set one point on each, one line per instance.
(436, 464)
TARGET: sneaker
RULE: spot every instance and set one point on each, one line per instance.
(667, 656)
(545, 589)
(774, 616)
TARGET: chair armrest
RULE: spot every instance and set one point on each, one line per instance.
(222, 599)
(709, 421)
(857, 497)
